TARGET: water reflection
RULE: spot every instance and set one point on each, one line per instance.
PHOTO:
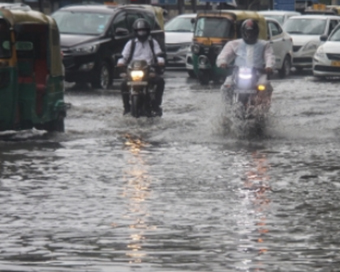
(137, 192)
(256, 190)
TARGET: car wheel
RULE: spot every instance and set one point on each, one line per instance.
(103, 77)
(191, 74)
(286, 66)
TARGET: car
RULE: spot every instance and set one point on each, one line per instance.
(178, 38)
(92, 38)
(326, 60)
(280, 15)
(305, 31)
(282, 46)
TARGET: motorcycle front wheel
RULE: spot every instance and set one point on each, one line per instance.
(135, 107)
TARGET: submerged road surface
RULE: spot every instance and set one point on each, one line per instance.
(177, 193)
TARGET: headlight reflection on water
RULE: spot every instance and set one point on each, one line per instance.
(137, 192)
(256, 204)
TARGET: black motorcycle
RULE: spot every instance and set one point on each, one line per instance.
(250, 92)
(142, 91)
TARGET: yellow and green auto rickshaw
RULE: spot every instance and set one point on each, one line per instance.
(31, 72)
(213, 29)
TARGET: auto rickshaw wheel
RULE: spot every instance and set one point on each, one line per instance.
(56, 125)
(103, 77)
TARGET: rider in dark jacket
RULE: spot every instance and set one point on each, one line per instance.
(144, 47)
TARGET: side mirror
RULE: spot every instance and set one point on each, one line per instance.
(323, 38)
(121, 32)
(193, 20)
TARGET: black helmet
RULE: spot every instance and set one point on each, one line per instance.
(250, 31)
(142, 29)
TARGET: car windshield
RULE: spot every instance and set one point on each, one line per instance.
(335, 36)
(180, 24)
(304, 26)
(82, 23)
(213, 27)
(279, 18)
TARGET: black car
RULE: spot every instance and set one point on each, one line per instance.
(92, 38)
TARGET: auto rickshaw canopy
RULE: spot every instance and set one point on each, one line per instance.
(238, 16)
(16, 18)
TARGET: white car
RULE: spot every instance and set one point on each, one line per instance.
(326, 61)
(280, 15)
(282, 46)
(178, 38)
(306, 31)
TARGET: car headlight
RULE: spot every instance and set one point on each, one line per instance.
(91, 48)
(195, 48)
(310, 46)
(320, 53)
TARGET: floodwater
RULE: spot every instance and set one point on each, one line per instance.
(177, 193)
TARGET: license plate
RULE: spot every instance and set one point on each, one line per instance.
(137, 83)
(336, 63)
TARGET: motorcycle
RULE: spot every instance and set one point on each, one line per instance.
(142, 90)
(249, 95)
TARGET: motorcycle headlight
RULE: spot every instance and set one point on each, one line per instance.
(91, 48)
(137, 75)
(245, 73)
(320, 53)
(195, 48)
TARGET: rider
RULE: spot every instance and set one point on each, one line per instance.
(143, 47)
(248, 51)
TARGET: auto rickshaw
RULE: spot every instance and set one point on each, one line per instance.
(31, 72)
(213, 29)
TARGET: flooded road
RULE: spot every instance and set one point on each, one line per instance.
(177, 193)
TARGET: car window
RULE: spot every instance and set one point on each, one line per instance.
(275, 28)
(82, 23)
(179, 24)
(335, 37)
(130, 19)
(120, 21)
(151, 18)
(279, 18)
(332, 25)
(305, 26)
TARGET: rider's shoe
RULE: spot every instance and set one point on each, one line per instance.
(126, 111)
(158, 111)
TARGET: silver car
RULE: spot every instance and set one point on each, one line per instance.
(178, 37)
(326, 60)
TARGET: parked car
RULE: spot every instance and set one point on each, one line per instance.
(305, 31)
(92, 38)
(178, 38)
(282, 46)
(326, 61)
(280, 15)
